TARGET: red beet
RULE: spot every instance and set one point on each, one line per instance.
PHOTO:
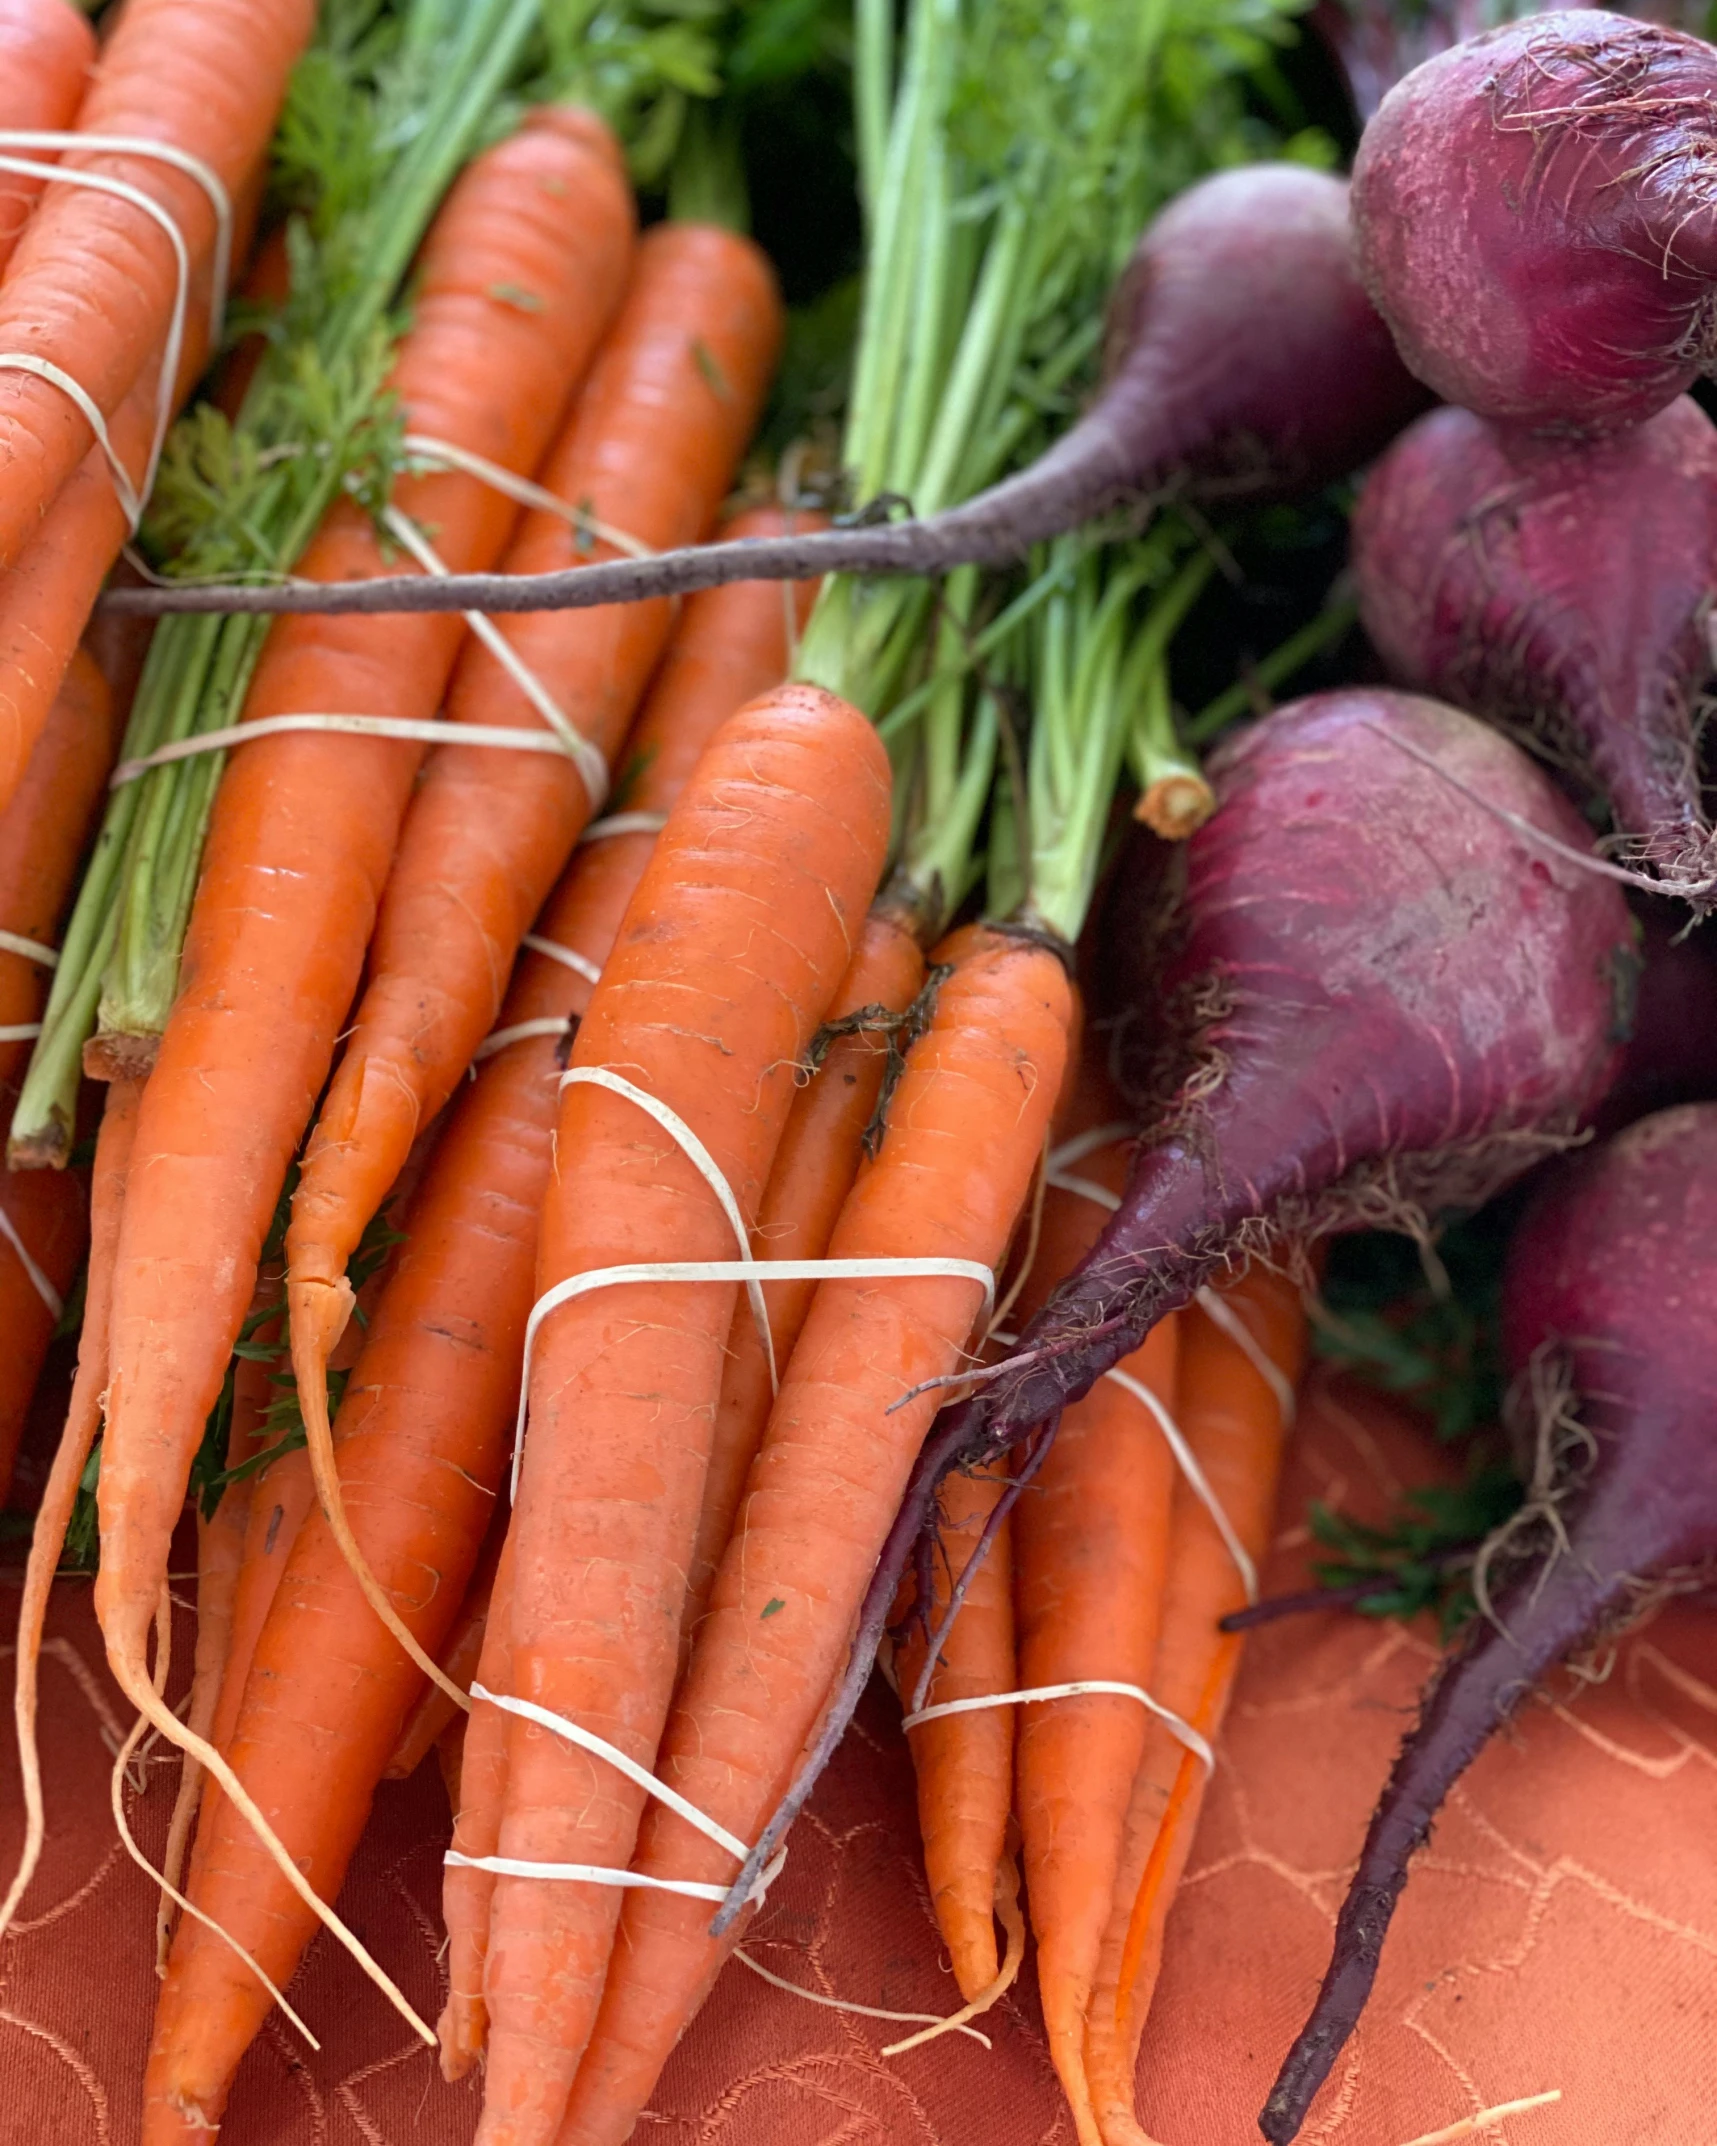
(1537, 218)
(1671, 1053)
(1243, 361)
(1610, 1301)
(1565, 589)
(1382, 997)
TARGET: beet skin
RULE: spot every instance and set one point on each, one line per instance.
(1537, 219)
(1565, 589)
(1610, 1321)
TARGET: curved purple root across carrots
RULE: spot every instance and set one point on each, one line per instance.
(1536, 213)
(1387, 1002)
(1243, 360)
(1563, 589)
(1610, 1312)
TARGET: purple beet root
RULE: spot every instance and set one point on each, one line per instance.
(1671, 1051)
(1563, 589)
(1610, 1304)
(1384, 998)
(1537, 219)
(1243, 361)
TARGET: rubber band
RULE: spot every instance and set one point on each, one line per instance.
(1182, 1731)
(45, 1289)
(640, 1777)
(20, 1032)
(13, 942)
(579, 964)
(1223, 1314)
(548, 1024)
(388, 727)
(425, 447)
(193, 167)
(864, 2011)
(592, 767)
(131, 496)
(624, 823)
(1197, 1481)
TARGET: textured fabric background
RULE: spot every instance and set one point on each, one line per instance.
(1560, 1932)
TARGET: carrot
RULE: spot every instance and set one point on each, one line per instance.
(460, 1653)
(424, 1426)
(467, 1894)
(966, 1127)
(42, 837)
(93, 282)
(819, 1157)
(732, 950)
(47, 50)
(964, 1762)
(44, 1220)
(59, 1496)
(651, 448)
(1234, 1423)
(300, 839)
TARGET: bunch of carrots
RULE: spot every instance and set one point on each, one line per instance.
(567, 1094)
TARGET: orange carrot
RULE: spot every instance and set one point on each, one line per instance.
(42, 838)
(651, 449)
(966, 1128)
(93, 282)
(818, 1159)
(964, 1762)
(47, 50)
(302, 832)
(731, 952)
(460, 1653)
(59, 1496)
(1233, 1421)
(44, 1223)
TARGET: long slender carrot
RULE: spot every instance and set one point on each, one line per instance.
(59, 1496)
(424, 1426)
(732, 950)
(722, 655)
(964, 1763)
(1234, 1422)
(301, 836)
(93, 281)
(966, 1129)
(651, 449)
(820, 1153)
(42, 836)
(47, 50)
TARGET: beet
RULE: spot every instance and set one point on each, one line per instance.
(1671, 1052)
(1610, 1318)
(1383, 1000)
(1536, 213)
(1563, 588)
(1243, 361)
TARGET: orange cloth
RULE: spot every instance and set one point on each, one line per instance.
(1561, 1931)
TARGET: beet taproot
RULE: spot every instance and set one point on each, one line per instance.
(1243, 360)
(1536, 215)
(1610, 1325)
(1383, 1000)
(1563, 588)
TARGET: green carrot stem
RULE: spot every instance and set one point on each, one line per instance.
(1249, 695)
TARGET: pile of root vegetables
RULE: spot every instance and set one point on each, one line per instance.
(648, 1071)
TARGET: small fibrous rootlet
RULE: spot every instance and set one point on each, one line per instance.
(1562, 588)
(1536, 212)
(1610, 1323)
(1384, 1000)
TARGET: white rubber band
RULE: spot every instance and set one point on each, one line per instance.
(131, 496)
(640, 1777)
(1088, 1143)
(842, 2004)
(624, 823)
(424, 447)
(579, 964)
(1182, 1731)
(548, 1024)
(20, 1032)
(45, 1289)
(46, 957)
(1223, 1314)
(1196, 1480)
(592, 768)
(402, 728)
